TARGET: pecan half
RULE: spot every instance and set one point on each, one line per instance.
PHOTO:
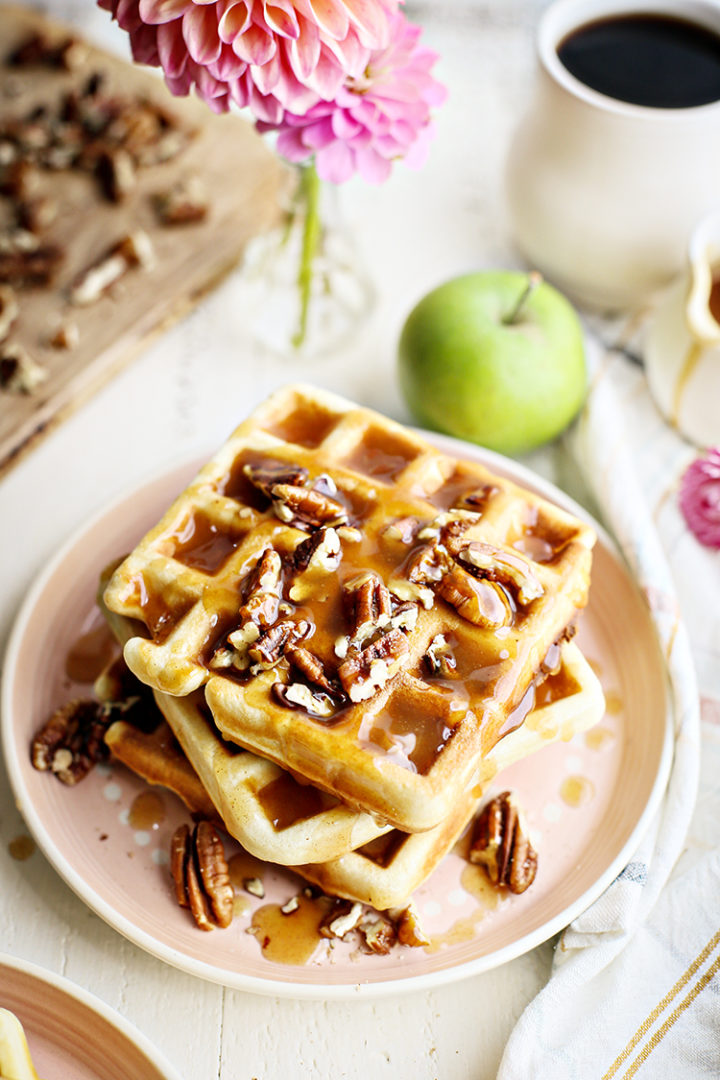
(482, 603)
(265, 474)
(200, 872)
(72, 741)
(264, 586)
(501, 845)
(369, 605)
(311, 668)
(495, 564)
(306, 507)
(363, 673)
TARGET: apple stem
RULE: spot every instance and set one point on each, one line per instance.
(534, 279)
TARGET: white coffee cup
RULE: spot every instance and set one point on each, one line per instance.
(602, 194)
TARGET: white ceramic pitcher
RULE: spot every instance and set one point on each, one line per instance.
(602, 194)
(682, 347)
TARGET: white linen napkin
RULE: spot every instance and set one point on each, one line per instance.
(634, 987)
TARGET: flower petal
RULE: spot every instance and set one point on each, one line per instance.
(156, 12)
(200, 33)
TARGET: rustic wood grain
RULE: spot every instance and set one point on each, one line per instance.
(244, 182)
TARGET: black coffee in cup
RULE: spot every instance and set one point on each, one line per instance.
(659, 61)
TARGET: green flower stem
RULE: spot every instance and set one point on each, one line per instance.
(310, 199)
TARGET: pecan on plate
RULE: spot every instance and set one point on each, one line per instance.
(72, 741)
(501, 844)
(407, 926)
(200, 872)
(343, 917)
(378, 934)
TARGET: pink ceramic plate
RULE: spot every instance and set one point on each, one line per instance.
(587, 801)
(71, 1033)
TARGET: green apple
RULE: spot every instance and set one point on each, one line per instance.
(496, 357)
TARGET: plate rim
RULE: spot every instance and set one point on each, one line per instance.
(516, 472)
(95, 1005)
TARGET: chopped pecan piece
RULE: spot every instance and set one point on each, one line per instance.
(501, 844)
(495, 564)
(183, 204)
(366, 672)
(439, 659)
(306, 507)
(478, 499)
(446, 529)
(115, 171)
(341, 919)
(135, 249)
(378, 935)
(270, 647)
(71, 741)
(26, 262)
(322, 550)
(482, 603)
(35, 215)
(299, 696)
(408, 928)
(19, 373)
(8, 310)
(200, 872)
(36, 49)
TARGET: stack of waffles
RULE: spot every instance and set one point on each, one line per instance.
(350, 634)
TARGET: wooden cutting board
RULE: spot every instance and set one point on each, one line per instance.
(244, 182)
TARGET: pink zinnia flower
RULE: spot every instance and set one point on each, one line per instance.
(287, 54)
(376, 117)
(700, 498)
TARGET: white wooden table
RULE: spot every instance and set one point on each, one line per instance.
(186, 393)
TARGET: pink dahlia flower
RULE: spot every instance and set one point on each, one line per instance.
(700, 498)
(270, 56)
(376, 117)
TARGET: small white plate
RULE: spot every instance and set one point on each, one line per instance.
(587, 801)
(73, 1034)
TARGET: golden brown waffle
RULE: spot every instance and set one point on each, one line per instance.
(324, 532)
(271, 814)
(385, 872)
(157, 757)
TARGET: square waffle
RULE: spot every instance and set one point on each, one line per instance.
(385, 870)
(362, 609)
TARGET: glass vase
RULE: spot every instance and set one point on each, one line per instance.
(306, 289)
